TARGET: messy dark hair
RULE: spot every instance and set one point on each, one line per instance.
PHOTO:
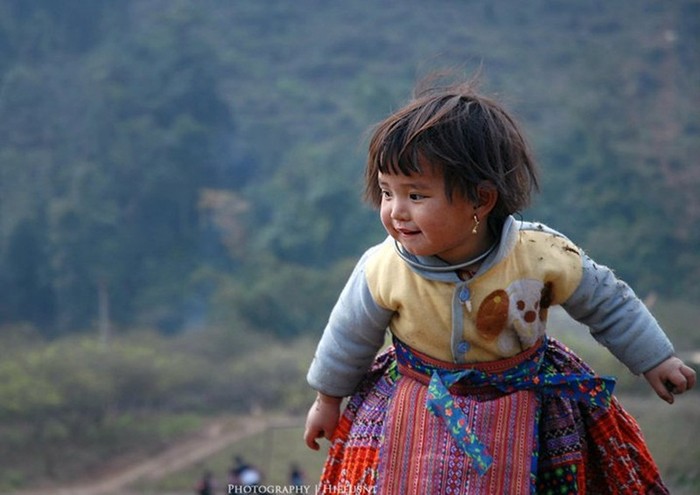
(466, 136)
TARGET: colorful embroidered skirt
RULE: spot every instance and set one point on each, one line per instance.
(400, 435)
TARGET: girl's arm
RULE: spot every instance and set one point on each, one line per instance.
(355, 332)
(620, 321)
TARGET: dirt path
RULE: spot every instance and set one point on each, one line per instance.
(216, 436)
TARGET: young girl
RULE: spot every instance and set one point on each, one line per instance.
(473, 396)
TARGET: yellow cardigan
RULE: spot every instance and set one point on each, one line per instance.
(497, 314)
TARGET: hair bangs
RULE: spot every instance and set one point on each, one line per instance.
(398, 158)
(393, 151)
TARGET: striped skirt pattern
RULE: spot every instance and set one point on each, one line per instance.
(389, 442)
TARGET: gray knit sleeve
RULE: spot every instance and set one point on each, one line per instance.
(618, 319)
(355, 332)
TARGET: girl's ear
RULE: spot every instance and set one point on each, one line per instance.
(487, 195)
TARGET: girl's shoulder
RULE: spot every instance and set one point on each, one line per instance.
(537, 241)
(520, 237)
(530, 226)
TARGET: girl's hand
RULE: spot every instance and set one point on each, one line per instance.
(322, 419)
(671, 377)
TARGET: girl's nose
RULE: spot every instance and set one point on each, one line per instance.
(399, 210)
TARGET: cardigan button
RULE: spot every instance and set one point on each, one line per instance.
(463, 347)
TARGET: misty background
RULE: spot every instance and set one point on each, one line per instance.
(180, 191)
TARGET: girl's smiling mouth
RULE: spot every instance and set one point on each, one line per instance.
(406, 232)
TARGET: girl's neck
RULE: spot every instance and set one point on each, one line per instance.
(474, 261)
(482, 245)
(467, 266)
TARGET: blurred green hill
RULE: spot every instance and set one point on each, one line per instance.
(173, 164)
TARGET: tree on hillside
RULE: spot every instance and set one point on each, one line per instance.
(133, 131)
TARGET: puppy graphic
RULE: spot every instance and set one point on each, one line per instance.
(515, 317)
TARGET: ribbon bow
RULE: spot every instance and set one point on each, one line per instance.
(584, 388)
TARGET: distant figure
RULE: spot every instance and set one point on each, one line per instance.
(244, 474)
(296, 475)
(205, 486)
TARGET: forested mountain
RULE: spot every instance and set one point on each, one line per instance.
(175, 163)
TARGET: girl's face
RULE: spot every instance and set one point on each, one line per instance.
(416, 212)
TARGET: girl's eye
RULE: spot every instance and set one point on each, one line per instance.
(385, 193)
(416, 196)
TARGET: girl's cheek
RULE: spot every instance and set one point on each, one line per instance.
(385, 217)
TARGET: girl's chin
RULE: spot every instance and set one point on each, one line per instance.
(414, 250)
